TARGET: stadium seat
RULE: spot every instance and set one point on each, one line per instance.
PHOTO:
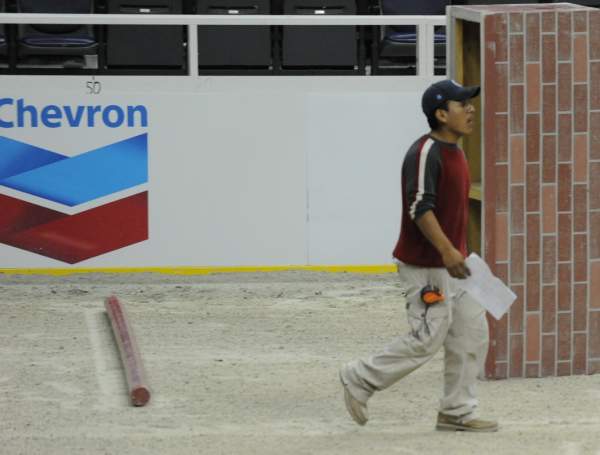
(69, 45)
(230, 47)
(319, 46)
(149, 46)
(397, 46)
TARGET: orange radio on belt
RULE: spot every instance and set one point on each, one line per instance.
(431, 294)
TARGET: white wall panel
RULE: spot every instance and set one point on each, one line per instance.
(248, 171)
(357, 142)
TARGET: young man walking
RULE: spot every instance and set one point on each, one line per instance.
(431, 252)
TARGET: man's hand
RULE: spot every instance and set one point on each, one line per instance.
(455, 263)
(453, 259)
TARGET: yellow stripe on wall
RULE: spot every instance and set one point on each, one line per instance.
(364, 269)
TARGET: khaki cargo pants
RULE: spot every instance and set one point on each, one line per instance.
(458, 323)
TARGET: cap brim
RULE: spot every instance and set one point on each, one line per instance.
(468, 93)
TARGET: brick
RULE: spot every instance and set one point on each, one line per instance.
(549, 108)
(548, 58)
(564, 36)
(595, 135)
(517, 311)
(533, 137)
(564, 237)
(501, 135)
(517, 159)
(548, 309)
(502, 339)
(516, 59)
(594, 169)
(580, 109)
(594, 20)
(564, 138)
(501, 38)
(580, 307)
(595, 235)
(501, 187)
(501, 236)
(579, 208)
(564, 187)
(548, 259)
(501, 271)
(549, 159)
(534, 87)
(595, 85)
(517, 256)
(564, 287)
(565, 87)
(549, 22)
(533, 288)
(501, 370)
(532, 201)
(593, 366)
(532, 370)
(594, 333)
(563, 369)
(516, 22)
(533, 238)
(533, 337)
(580, 164)
(532, 28)
(501, 87)
(549, 209)
(517, 104)
(580, 21)
(580, 246)
(594, 284)
(548, 355)
(564, 336)
(579, 353)
(517, 209)
(580, 60)
(516, 356)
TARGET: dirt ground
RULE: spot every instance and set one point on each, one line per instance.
(246, 364)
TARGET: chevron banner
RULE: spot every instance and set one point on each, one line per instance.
(73, 208)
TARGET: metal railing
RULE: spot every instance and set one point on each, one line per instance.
(424, 24)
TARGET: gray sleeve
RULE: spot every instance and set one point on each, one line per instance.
(421, 179)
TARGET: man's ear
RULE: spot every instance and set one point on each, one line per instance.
(441, 115)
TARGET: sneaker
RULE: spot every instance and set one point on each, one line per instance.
(452, 423)
(356, 409)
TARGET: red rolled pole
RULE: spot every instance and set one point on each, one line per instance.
(130, 354)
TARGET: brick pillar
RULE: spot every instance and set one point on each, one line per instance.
(540, 74)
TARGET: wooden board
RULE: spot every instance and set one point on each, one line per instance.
(468, 72)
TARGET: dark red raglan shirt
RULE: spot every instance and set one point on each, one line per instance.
(435, 176)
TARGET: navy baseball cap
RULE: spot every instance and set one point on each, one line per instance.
(447, 90)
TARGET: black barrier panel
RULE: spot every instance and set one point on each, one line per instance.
(149, 46)
(234, 46)
(319, 46)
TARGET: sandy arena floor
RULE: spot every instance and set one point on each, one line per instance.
(245, 364)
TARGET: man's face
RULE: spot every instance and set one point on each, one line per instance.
(459, 118)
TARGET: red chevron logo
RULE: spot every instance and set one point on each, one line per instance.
(74, 238)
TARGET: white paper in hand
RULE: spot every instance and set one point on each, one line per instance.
(484, 287)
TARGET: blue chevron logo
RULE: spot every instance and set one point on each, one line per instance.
(74, 180)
